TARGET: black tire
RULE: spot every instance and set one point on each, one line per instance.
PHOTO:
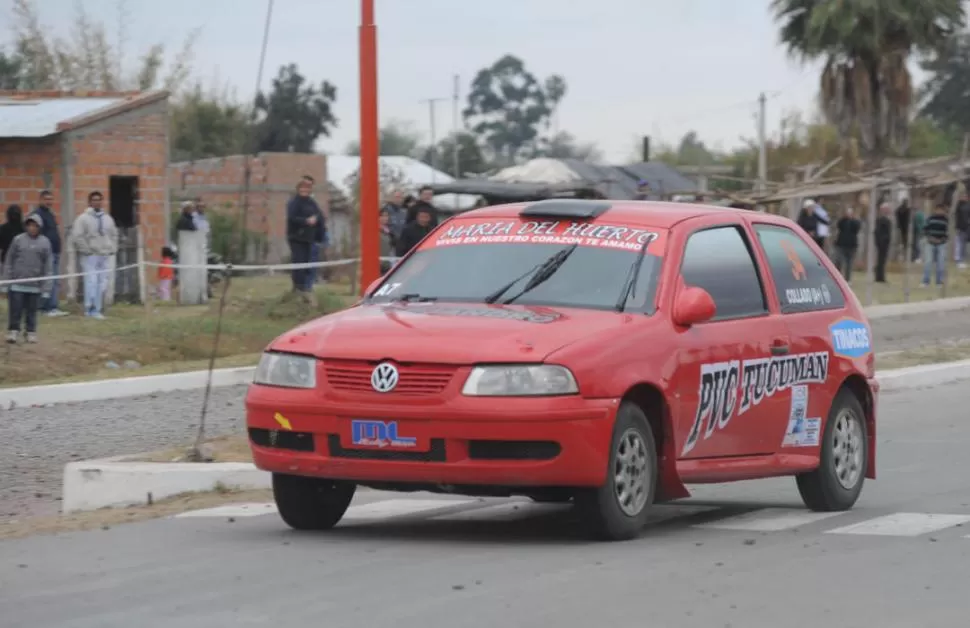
(311, 503)
(822, 490)
(600, 508)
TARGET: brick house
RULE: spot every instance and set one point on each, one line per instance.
(73, 143)
(273, 177)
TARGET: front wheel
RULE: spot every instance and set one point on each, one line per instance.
(837, 482)
(618, 510)
(311, 503)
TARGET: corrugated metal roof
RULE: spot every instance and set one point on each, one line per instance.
(340, 168)
(39, 118)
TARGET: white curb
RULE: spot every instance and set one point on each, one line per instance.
(913, 377)
(194, 380)
(115, 483)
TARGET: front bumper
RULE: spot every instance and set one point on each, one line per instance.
(542, 442)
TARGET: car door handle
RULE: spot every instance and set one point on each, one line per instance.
(780, 347)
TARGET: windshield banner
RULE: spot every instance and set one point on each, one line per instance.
(562, 232)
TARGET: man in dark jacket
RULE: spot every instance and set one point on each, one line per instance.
(903, 216)
(425, 194)
(415, 231)
(847, 242)
(186, 221)
(808, 221)
(303, 229)
(883, 236)
(51, 231)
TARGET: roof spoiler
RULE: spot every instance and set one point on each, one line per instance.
(565, 208)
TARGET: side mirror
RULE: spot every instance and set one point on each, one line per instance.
(692, 306)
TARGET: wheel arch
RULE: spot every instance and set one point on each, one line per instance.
(650, 398)
(858, 386)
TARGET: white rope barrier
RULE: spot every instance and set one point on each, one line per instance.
(221, 267)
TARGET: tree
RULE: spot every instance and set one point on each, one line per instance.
(508, 106)
(866, 88)
(947, 89)
(397, 138)
(294, 114)
(208, 124)
(564, 145)
(87, 59)
(11, 71)
(470, 157)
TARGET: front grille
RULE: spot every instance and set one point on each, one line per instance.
(513, 450)
(414, 379)
(436, 453)
(281, 439)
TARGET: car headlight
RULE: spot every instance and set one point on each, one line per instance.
(520, 380)
(286, 370)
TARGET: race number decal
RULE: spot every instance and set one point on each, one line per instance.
(802, 431)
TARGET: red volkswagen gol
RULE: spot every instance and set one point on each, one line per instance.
(605, 352)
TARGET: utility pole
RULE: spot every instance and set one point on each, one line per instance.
(456, 132)
(370, 181)
(434, 137)
(762, 146)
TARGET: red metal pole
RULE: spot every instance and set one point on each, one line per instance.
(369, 149)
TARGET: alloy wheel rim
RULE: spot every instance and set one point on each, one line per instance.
(847, 449)
(631, 475)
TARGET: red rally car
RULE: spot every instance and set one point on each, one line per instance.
(604, 352)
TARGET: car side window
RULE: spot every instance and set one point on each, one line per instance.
(802, 281)
(720, 261)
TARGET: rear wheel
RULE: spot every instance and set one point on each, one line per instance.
(618, 510)
(311, 503)
(837, 482)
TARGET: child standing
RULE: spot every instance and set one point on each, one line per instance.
(26, 275)
(166, 273)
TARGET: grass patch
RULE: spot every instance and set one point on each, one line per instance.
(958, 285)
(234, 448)
(164, 337)
(933, 354)
(105, 518)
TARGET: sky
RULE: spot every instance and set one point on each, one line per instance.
(633, 67)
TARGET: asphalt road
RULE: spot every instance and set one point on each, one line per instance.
(35, 443)
(402, 562)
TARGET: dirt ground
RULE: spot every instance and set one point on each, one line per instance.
(107, 517)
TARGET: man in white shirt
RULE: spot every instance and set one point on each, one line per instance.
(822, 225)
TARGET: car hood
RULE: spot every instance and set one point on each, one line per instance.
(447, 333)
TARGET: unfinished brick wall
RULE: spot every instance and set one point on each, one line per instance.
(132, 144)
(26, 168)
(273, 178)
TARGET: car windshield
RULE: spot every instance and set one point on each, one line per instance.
(551, 270)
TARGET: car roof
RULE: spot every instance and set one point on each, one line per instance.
(658, 214)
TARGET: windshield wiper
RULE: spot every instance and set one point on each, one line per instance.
(630, 287)
(539, 275)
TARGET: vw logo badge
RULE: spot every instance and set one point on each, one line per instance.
(384, 378)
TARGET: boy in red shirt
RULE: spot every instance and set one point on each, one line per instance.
(166, 273)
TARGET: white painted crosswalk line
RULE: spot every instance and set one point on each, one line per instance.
(903, 524)
(768, 520)
(508, 511)
(399, 507)
(233, 510)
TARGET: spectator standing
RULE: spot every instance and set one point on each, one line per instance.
(96, 241)
(936, 233)
(904, 215)
(202, 222)
(961, 230)
(186, 221)
(9, 230)
(847, 242)
(166, 274)
(883, 236)
(50, 230)
(919, 223)
(822, 228)
(302, 217)
(425, 195)
(808, 221)
(29, 265)
(415, 231)
(388, 240)
(643, 191)
(396, 213)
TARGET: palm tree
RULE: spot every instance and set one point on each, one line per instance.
(865, 86)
